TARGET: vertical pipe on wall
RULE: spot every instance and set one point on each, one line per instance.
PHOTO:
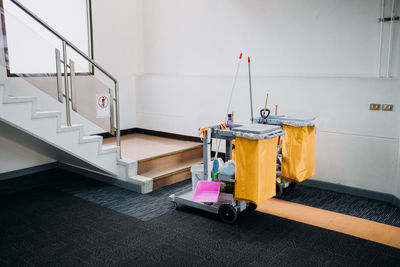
(389, 54)
(380, 38)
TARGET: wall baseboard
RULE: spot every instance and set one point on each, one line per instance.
(27, 171)
(155, 133)
(353, 191)
(100, 177)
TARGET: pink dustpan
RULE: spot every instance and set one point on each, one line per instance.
(207, 191)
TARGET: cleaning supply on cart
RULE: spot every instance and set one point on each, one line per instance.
(228, 169)
(197, 174)
(214, 173)
(229, 123)
(265, 109)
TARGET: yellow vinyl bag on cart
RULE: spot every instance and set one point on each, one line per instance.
(255, 169)
(298, 152)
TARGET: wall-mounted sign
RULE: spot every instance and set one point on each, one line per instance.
(102, 105)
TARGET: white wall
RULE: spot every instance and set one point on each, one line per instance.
(313, 57)
(175, 61)
(13, 156)
(117, 29)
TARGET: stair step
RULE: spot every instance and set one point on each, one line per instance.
(173, 178)
(163, 171)
(172, 174)
(91, 138)
(170, 161)
(46, 114)
(20, 99)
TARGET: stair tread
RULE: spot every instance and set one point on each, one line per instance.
(157, 173)
(144, 147)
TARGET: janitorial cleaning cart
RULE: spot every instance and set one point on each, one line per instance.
(235, 185)
(271, 153)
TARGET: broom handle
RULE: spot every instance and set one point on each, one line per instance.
(265, 107)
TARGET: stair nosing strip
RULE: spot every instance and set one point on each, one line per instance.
(168, 154)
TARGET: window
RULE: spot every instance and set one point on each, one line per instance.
(30, 48)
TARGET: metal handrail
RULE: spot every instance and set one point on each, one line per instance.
(76, 49)
(62, 38)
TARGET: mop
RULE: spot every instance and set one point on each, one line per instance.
(215, 163)
(208, 191)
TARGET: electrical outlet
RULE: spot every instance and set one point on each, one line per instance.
(374, 106)
(387, 107)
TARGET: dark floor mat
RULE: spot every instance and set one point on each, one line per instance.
(142, 207)
(361, 207)
(45, 226)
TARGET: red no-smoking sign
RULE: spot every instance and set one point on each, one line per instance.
(103, 101)
(102, 105)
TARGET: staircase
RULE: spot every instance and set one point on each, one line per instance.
(21, 113)
(88, 152)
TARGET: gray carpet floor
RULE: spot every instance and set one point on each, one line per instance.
(150, 206)
(43, 226)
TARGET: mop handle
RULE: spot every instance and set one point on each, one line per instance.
(251, 93)
(230, 99)
(233, 87)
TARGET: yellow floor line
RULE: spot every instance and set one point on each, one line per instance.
(362, 228)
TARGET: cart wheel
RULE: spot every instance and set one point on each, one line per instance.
(252, 206)
(174, 205)
(227, 213)
(279, 190)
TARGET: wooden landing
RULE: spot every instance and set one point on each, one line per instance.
(166, 161)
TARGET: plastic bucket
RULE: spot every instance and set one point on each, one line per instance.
(197, 175)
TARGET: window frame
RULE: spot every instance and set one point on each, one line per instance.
(90, 46)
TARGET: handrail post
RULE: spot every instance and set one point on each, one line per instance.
(72, 85)
(117, 114)
(67, 110)
(112, 112)
(59, 82)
